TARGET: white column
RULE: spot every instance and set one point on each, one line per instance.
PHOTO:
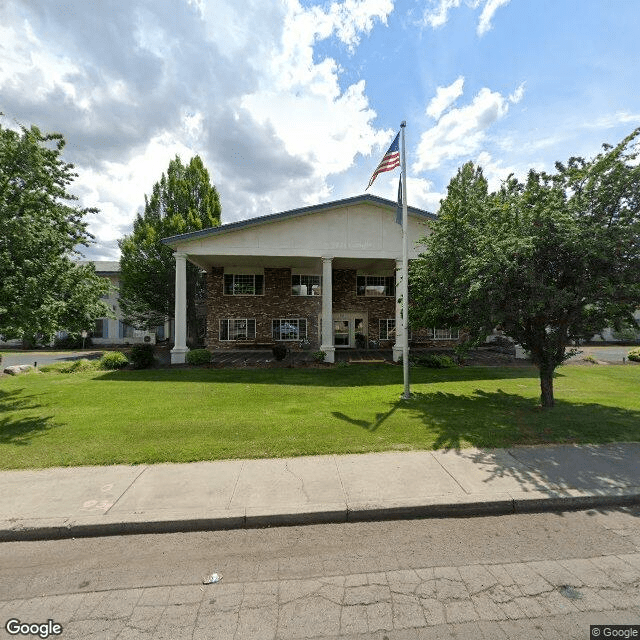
(179, 351)
(327, 310)
(398, 345)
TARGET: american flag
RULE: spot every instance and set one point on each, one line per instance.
(390, 161)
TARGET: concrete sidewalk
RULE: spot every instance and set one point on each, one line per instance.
(93, 501)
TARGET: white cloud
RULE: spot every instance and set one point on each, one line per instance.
(518, 94)
(460, 132)
(614, 120)
(488, 11)
(132, 83)
(420, 194)
(437, 15)
(301, 99)
(445, 97)
(496, 172)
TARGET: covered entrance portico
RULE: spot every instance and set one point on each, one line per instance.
(280, 276)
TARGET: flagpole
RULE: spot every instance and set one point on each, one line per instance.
(405, 272)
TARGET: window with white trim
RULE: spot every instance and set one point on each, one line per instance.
(306, 285)
(376, 285)
(237, 328)
(442, 334)
(446, 334)
(387, 328)
(289, 329)
(240, 284)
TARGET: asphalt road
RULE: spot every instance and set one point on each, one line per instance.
(538, 576)
(10, 358)
(605, 354)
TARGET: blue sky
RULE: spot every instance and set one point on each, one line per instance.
(292, 103)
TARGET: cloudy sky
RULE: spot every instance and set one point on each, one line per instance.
(291, 103)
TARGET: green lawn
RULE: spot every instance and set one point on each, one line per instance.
(183, 415)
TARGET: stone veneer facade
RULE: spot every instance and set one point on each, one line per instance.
(278, 302)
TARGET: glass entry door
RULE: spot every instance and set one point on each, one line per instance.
(349, 329)
(341, 332)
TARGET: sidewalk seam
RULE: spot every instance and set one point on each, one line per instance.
(449, 474)
(235, 486)
(127, 489)
(344, 493)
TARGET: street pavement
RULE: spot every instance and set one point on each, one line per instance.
(544, 576)
(232, 494)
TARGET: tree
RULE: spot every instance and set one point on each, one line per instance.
(184, 200)
(42, 288)
(550, 261)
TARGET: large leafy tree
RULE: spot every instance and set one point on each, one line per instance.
(183, 200)
(43, 289)
(550, 260)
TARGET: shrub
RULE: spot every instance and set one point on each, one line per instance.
(319, 356)
(198, 356)
(142, 356)
(590, 359)
(279, 352)
(433, 361)
(81, 365)
(634, 354)
(70, 367)
(113, 360)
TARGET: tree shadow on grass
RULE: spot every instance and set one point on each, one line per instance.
(499, 419)
(15, 429)
(487, 430)
(369, 426)
(351, 376)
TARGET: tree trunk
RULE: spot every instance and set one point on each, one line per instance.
(546, 387)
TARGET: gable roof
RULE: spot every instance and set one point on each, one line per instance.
(104, 267)
(294, 213)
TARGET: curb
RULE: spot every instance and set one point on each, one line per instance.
(440, 507)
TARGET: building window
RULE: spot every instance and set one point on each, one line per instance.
(303, 285)
(446, 334)
(387, 328)
(100, 330)
(442, 334)
(125, 330)
(237, 284)
(237, 329)
(376, 286)
(289, 329)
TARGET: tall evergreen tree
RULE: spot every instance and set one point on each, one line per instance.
(43, 289)
(550, 261)
(183, 200)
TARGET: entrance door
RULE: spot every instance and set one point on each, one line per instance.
(341, 333)
(349, 329)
